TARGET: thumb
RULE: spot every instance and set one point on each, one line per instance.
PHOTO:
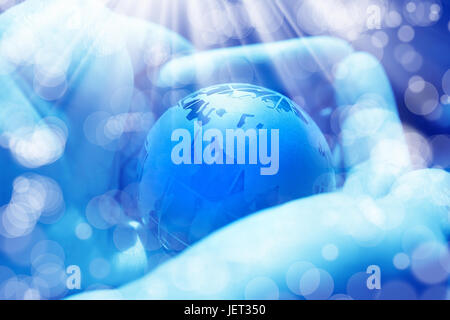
(373, 147)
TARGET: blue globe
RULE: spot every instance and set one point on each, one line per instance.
(224, 152)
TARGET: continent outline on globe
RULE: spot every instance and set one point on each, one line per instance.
(184, 203)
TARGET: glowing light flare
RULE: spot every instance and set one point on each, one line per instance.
(38, 145)
(406, 33)
(421, 97)
(446, 82)
(422, 12)
(344, 19)
(103, 128)
(430, 262)
(214, 22)
(408, 57)
(440, 144)
(104, 211)
(393, 19)
(401, 261)
(34, 198)
(419, 149)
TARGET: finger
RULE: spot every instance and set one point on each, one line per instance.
(315, 248)
(299, 68)
(372, 142)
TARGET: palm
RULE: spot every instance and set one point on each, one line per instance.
(319, 246)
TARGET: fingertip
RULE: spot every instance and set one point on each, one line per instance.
(295, 58)
(359, 74)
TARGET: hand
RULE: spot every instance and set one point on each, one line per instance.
(91, 157)
(76, 84)
(386, 219)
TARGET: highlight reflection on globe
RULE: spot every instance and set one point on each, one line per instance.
(218, 176)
